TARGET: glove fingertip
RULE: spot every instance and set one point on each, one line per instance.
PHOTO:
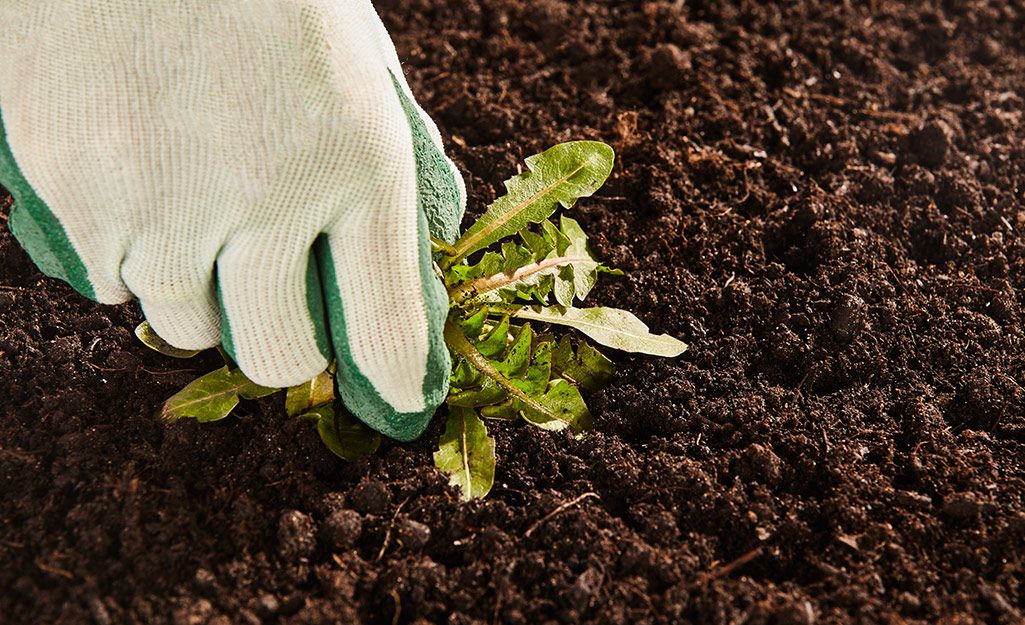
(413, 392)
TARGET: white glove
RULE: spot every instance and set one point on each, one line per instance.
(193, 153)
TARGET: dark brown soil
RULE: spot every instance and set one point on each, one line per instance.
(824, 200)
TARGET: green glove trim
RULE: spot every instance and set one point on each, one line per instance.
(227, 343)
(37, 229)
(355, 389)
(437, 190)
(315, 302)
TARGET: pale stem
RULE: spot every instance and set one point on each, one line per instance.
(471, 289)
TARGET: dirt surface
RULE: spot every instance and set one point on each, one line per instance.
(824, 200)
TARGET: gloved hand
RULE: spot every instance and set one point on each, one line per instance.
(193, 154)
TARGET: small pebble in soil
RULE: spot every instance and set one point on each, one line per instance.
(669, 67)
(801, 613)
(342, 528)
(911, 500)
(99, 612)
(930, 144)
(371, 497)
(297, 535)
(6, 300)
(268, 606)
(759, 463)
(64, 348)
(413, 534)
(848, 318)
(205, 579)
(961, 507)
(585, 588)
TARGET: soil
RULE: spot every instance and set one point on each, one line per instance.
(824, 199)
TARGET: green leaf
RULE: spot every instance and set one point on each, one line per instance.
(466, 453)
(527, 391)
(345, 436)
(515, 256)
(464, 376)
(496, 341)
(611, 327)
(208, 398)
(255, 391)
(588, 368)
(517, 356)
(508, 410)
(306, 396)
(536, 243)
(555, 237)
(583, 274)
(489, 392)
(561, 407)
(472, 324)
(559, 261)
(558, 175)
(144, 331)
(535, 379)
(564, 407)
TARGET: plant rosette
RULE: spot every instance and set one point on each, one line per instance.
(514, 271)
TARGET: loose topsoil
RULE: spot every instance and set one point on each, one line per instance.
(824, 199)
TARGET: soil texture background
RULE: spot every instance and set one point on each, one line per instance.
(824, 199)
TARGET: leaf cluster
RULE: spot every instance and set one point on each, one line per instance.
(513, 271)
(540, 378)
(504, 369)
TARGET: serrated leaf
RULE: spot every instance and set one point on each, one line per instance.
(514, 256)
(539, 370)
(509, 410)
(563, 288)
(524, 391)
(304, 397)
(255, 391)
(583, 274)
(564, 407)
(587, 368)
(495, 342)
(208, 398)
(345, 436)
(524, 366)
(555, 237)
(145, 333)
(464, 376)
(536, 243)
(517, 355)
(489, 392)
(473, 324)
(559, 175)
(466, 453)
(611, 327)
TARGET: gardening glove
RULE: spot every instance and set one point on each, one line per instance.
(256, 173)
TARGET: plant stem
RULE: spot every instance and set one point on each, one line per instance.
(461, 293)
(437, 245)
